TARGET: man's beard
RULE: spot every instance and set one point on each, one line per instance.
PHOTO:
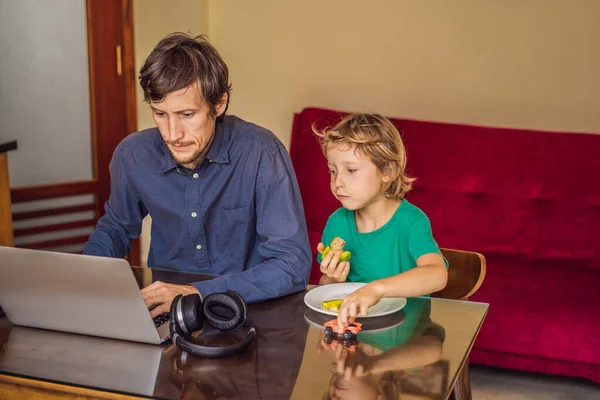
(188, 160)
(196, 156)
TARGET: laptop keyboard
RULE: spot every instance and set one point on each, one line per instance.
(160, 319)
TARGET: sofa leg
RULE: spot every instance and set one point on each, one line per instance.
(462, 387)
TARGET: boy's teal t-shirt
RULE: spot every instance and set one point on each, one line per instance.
(387, 251)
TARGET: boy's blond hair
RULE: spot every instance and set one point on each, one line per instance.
(373, 136)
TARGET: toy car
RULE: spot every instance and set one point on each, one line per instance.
(330, 344)
(350, 331)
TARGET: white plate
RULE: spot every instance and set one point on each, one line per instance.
(334, 291)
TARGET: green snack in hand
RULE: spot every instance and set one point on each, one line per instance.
(337, 244)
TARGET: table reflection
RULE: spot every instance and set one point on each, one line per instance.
(385, 363)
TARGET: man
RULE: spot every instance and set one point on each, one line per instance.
(222, 192)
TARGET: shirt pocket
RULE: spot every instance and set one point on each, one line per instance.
(232, 232)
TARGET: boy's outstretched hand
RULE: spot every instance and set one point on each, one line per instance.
(357, 304)
(331, 266)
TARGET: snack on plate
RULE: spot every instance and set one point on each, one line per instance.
(337, 244)
(333, 305)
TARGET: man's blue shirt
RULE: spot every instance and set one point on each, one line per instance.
(238, 214)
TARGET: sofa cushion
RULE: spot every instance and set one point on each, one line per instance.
(311, 167)
(504, 190)
(541, 308)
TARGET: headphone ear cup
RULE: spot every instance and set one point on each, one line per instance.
(222, 322)
(174, 320)
(241, 302)
(193, 317)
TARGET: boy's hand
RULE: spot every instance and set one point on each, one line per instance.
(357, 304)
(353, 364)
(320, 247)
(330, 265)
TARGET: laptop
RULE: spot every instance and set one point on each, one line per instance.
(89, 295)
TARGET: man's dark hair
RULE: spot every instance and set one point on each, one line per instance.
(178, 61)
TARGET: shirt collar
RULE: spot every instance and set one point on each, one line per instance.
(218, 151)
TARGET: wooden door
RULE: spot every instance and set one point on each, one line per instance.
(112, 83)
(112, 78)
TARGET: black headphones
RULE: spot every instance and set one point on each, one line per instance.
(188, 314)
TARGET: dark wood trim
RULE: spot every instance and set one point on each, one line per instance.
(54, 227)
(135, 253)
(6, 228)
(105, 33)
(129, 72)
(93, 104)
(13, 387)
(130, 78)
(53, 211)
(4, 147)
(56, 242)
(110, 26)
(43, 192)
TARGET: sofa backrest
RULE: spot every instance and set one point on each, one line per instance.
(528, 193)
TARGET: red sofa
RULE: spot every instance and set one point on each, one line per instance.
(529, 201)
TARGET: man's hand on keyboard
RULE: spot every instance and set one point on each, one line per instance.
(160, 295)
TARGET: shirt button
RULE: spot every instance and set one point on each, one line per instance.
(194, 215)
(195, 175)
(198, 247)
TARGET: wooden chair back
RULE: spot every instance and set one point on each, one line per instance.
(466, 273)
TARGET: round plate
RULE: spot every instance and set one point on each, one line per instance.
(334, 291)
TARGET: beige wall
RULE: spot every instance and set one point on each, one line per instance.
(513, 63)
(153, 19)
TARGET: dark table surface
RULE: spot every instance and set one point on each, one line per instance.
(418, 351)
